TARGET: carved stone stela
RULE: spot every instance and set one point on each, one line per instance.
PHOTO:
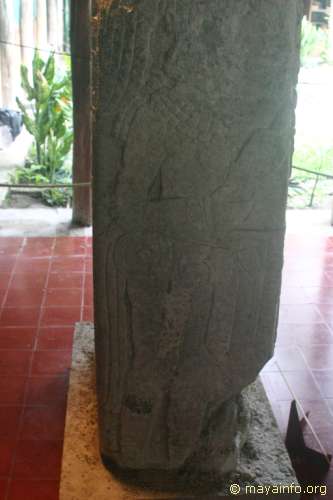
(192, 148)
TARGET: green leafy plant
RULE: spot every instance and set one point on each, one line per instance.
(314, 43)
(47, 116)
(306, 189)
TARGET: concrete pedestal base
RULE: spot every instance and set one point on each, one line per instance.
(264, 460)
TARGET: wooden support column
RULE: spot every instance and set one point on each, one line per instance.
(81, 75)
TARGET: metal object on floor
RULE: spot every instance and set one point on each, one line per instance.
(310, 466)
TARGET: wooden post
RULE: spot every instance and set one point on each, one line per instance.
(81, 76)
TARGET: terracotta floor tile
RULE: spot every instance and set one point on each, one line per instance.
(306, 334)
(29, 297)
(88, 297)
(296, 243)
(38, 247)
(63, 297)
(34, 490)
(17, 337)
(89, 284)
(320, 295)
(70, 246)
(65, 280)
(326, 311)
(6, 456)
(303, 385)
(281, 410)
(290, 279)
(304, 338)
(286, 359)
(275, 386)
(60, 316)
(325, 436)
(3, 488)
(12, 390)
(51, 362)
(9, 421)
(67, 264)
(328, 278)
(325, 381)
(31, 265)
(328, 243)
(29, 280)
(38, 459)
(45, 422)
(47, 390)
(4, 280)
(55, 338)
(7, 263)
(300, 314)
(310, 278)
(320, 414)
(13, 362)
(294, 296)
(329, 403)
(318, 357)
(27, 316)
(88, 314)
(88, 265)
(10, 246)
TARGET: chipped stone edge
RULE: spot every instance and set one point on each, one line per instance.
(264, 459)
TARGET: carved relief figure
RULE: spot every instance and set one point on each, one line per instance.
(192, 187)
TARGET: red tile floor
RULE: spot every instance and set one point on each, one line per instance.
(46, 286)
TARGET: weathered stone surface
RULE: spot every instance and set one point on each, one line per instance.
(193, 140)
(263, 460)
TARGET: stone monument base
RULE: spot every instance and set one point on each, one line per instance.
(264, 460)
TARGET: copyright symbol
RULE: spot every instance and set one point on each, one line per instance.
(235, 489)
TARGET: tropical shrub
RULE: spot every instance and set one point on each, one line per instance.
(307, 189)
(47, 116)
(314, 43)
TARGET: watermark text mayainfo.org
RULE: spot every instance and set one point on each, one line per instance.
(278, 489)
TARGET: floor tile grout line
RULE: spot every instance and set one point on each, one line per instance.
(25, 392)
(82, 304)
(308, 421)
(11, 276)
(328, 326)
(308, 366)
(26, 380)
(38, 328)
(310, 370)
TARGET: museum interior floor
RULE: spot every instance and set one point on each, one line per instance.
(46, 286)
